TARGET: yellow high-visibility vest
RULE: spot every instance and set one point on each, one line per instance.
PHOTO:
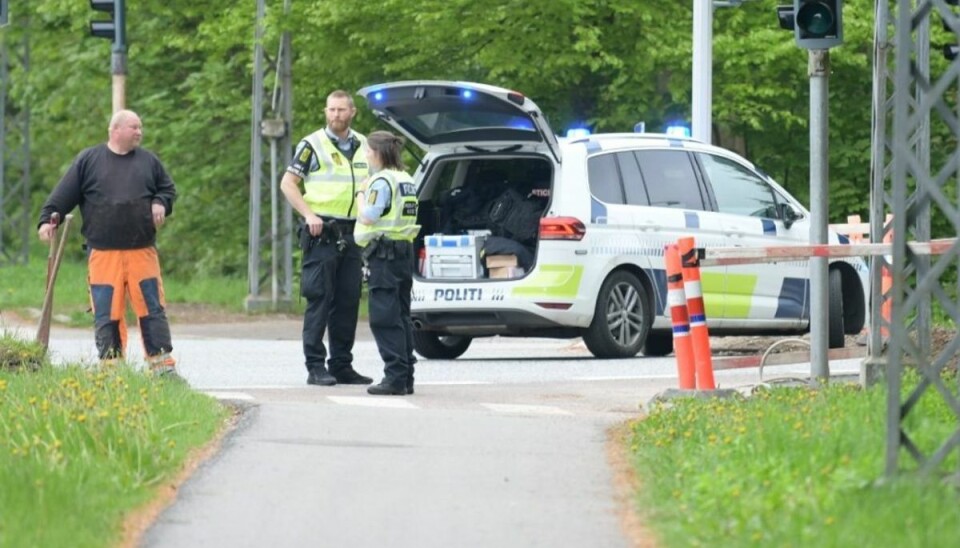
(400, 223)
(329, 190)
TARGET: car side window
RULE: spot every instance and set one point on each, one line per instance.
(633, 186)
(738, 190)
(604, 178)
(670, 179)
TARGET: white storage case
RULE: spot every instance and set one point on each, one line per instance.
(454, 257)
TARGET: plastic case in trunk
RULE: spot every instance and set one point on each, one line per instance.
(453, 257)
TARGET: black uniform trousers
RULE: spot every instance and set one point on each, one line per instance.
(330, 281)
(391, 279)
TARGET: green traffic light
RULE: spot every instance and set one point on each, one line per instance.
(816, 19)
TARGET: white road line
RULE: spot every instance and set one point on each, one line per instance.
(526, 409)
(625, 378)
(371, 401)
(229, 395)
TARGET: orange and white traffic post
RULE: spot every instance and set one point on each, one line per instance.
(677, 301)
(886, 284)
(699, 334)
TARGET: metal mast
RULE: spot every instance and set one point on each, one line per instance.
(270, 253)
(911, 189)
(15, 225)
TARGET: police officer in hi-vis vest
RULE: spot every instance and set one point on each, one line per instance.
(386, 228)
(332, 163)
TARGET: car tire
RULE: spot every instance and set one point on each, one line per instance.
(835, 329)
(440, 347)
(621, 319)
(658, 344)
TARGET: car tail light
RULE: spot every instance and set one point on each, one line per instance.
(561, 228)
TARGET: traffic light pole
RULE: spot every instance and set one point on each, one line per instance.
(118, 58)
(819, 70)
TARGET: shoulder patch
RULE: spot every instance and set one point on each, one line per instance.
(372, 197)
(305, 154)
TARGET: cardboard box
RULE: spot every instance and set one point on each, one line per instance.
(506, 272)
(498, 261)
(453, 257)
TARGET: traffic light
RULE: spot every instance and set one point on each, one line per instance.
(3, 12)
(114, 28)
(950, 51)
(816, 24)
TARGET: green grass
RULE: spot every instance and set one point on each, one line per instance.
(792, 467)
(80, 448)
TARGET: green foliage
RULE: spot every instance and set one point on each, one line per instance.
(604, 63)
(81, 448)
(792, 467)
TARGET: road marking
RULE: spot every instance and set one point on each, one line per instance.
(526, 409)
(229, 395)
(389, 401)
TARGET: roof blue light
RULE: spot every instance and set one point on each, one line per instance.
(576, 132)
(678, 131)
(467, 94)
(378, 96)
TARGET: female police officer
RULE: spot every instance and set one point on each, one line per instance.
(386, 228)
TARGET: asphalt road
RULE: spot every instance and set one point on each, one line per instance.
(504, 447)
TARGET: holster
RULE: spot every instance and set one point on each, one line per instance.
(372, 247)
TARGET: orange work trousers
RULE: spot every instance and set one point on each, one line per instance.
(115, 275)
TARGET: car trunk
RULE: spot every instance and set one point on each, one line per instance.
(481, 216)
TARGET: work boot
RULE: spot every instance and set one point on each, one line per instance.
(349, 375)
(164, 366)
(320, 377)
(387, 389)
(410, 385)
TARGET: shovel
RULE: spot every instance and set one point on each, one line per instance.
(58, 241)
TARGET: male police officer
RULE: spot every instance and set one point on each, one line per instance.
(331, 163)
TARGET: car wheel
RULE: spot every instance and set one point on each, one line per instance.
(658, 344)
(835, 329)
(621, 319)
(440, 347)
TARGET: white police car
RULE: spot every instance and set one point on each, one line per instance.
(528, 235)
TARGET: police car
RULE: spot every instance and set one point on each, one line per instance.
(529, 235)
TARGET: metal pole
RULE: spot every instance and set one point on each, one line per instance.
(286, 151)
(256, 159)
(118, 57)
(818, 69)
(702, 69)
(274, 225)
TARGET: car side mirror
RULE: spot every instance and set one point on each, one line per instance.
(789, 214)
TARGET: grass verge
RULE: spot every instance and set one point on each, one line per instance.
(792, 467)
(81, 448)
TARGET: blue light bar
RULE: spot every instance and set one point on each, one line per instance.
(378, 96)
(467, 94)
(576, 132)
(678, 131)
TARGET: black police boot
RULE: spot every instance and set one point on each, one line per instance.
(387, 389)
(410, 385)
(350, 376)
(320, 377)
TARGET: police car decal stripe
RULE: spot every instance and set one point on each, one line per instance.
(692, 219)
(658, 277)
(738, 295)
(792, 302)
(769, 227)
(598, 212)
(553, 280)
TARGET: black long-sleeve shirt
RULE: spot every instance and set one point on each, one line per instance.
(115, 193)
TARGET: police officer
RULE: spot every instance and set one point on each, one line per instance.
(331, 162)
(386, 228)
